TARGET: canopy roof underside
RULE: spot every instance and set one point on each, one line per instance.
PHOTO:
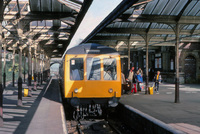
(47, 25)
(157, 19)
(51, 24)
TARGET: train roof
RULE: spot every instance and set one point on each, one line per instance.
(92, 48)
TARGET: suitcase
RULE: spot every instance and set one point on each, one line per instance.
(127, 86)
(151, 90)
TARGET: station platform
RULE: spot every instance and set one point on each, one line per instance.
(184, 116)
(40, 114)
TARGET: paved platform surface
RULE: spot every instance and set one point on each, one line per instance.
(184, 116)
(40, 114)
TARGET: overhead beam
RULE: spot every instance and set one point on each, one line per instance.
(182, 10)
(165, 19)
(143, 31)
(34, 16)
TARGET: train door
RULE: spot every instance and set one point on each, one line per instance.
(74, 76)
(190, 69)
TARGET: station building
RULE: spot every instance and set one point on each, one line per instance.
(163, 59)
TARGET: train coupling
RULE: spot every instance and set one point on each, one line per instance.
(75, 101)
(113, 102)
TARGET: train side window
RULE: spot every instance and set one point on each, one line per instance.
(110, 72)
(93, 69)
(76, 69)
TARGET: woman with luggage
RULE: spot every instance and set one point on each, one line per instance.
(139, 80)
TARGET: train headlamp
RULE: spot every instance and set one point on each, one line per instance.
(110, 90)
(76, 90)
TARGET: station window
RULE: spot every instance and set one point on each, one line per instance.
(158, 59)
(76, 69)
(93, 69)
(172, 64)
(110, 72)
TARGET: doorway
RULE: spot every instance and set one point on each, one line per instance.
(190, 69)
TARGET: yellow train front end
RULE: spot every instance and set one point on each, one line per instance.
(92, 78)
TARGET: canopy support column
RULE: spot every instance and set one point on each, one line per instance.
(129, 54)
(29, 67)
(38, 69)
(48, 67)
(19, 102)
(20, 34)
(177, 31)
(13, 66)
(147, 38)
(1, 86)
(4, 66)
(42, 67)
(38, 65)
(147, 63)
(34, 68)
(24, 67)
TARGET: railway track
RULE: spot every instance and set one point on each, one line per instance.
(89, 127)
(97, 126)
(109, 124)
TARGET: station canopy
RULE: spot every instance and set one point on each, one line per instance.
(48, 25)
(51, 24)
(157, 19)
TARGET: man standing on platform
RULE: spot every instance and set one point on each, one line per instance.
(157, 79)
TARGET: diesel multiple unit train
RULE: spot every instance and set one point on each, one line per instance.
(90, 78)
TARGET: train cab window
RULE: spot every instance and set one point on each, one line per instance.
(76, 69)
(110, 72)
(93, 69)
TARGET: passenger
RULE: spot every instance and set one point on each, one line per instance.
(123, 78)
(157, 79)
(76, 75)
(108, 75)
(139, 81)
(123, 81)
(140, 71)
(131, 75)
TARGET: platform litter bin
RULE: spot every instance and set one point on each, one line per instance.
(150, 90)
(25, 92)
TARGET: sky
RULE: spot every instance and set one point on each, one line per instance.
(98, 10)
(96, 13)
